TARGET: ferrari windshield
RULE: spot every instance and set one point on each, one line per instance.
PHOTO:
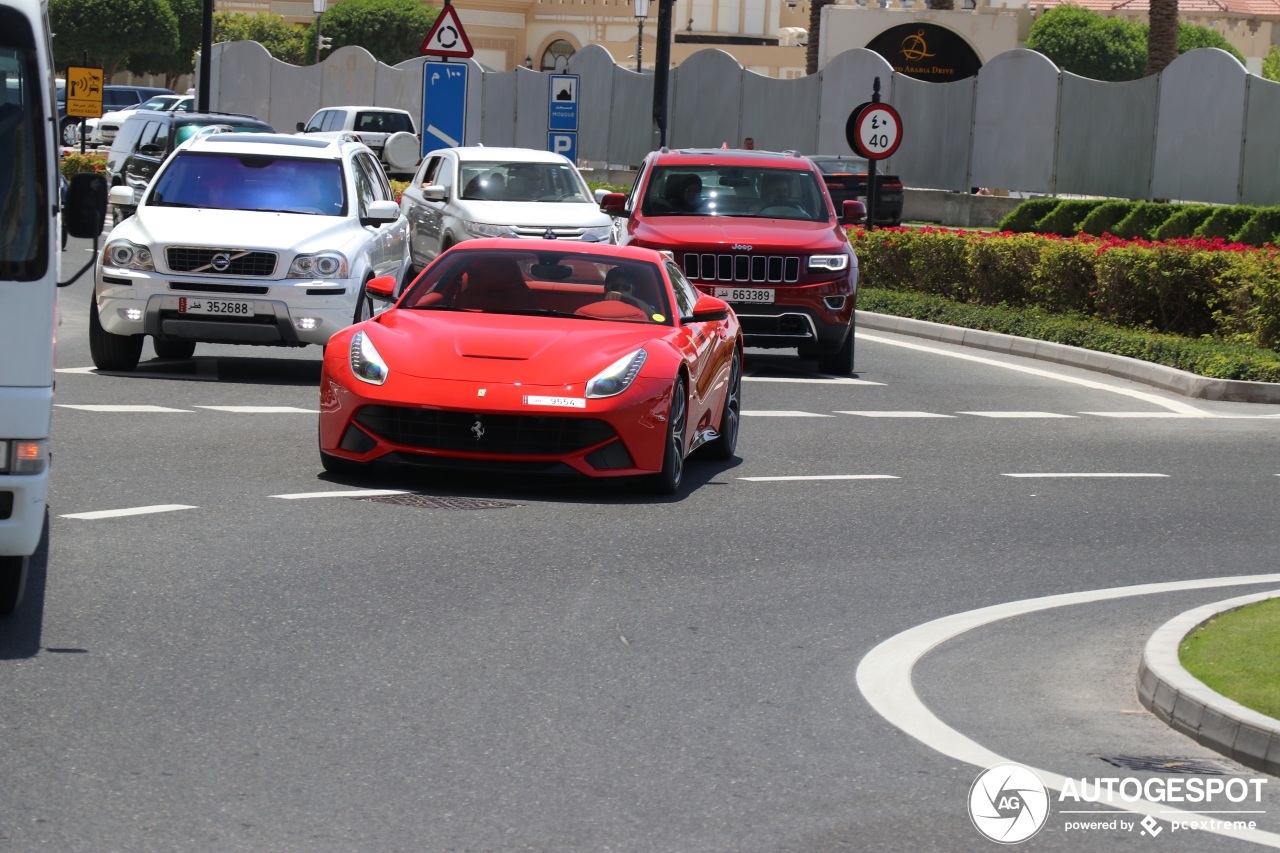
(568, 284)
(498, 181)
(759, 193)
(251, 182)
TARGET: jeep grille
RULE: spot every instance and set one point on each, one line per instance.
(755, 268)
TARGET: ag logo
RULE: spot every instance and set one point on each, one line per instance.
(1008, 803)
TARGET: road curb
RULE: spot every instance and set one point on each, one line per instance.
(1186, 704)
(1165, 378)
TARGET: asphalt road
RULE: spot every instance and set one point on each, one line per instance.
(581, 667)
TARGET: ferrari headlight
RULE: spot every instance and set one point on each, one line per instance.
(319, 265)
(366, 364)
(127, 255)
(480, 229)
(617, 377)
(601, 234)
(835, 263)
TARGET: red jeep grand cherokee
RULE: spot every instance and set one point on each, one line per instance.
(755, 228)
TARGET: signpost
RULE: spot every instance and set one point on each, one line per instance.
(874, 131)
(84, 95)
(562, 115)
(444, 84)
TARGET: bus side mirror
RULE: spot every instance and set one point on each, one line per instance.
(86, 207)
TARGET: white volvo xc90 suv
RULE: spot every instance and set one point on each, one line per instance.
(261, 239)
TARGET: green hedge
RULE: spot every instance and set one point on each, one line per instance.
(1025, 216)
(1184, 222)
(1191, 288)
(1248, 224)
(1217, 359)
(1065, 219)
(1105, 217)
(1262, 228)
(1225, 222)
(1144, 219)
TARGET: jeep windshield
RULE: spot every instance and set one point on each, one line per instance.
(498, 181)
(756, 193)
(244, 182)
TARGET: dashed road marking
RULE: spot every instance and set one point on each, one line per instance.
(781, 413)
(894, 414)
(87, 407)
(835, 380)
(261, 410)
(1062, 475)
(120, 513)
(348, 493)
(820, 477)
(1016, 414)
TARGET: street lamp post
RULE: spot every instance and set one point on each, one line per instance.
(318, 7)
(661, 69)
(642, 12)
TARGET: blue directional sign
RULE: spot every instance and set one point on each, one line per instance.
(444, 105)
(565, 143)
(562, 106)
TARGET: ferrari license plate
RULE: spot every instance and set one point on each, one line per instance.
(221, 307)
(757, 295)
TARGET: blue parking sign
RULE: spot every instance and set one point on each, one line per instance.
(444, 105)
(563, 143)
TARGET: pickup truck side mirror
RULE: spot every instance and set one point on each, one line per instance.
(614, 204)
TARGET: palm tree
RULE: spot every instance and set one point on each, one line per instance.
(1162, 35)
(815, 30)
(943, 5)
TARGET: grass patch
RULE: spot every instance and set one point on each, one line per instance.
(1238, 655)
(1214, 358)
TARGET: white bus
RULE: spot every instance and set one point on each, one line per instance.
(29, 207)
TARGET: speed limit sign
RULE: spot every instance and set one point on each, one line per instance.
(875, 131)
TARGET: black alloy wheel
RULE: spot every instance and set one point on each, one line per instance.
(727, 443)
(173, 349)
(667, 482)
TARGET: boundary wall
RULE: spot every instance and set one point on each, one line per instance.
(1203, 130)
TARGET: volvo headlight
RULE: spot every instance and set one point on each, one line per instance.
(602, 234)
(480, 229)
(834, 263)
(124, 254)
(366, 364)
(319, 265)
(617, 377)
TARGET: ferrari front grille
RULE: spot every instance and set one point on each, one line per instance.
(762, 269)
(194, 259)
(510, 435)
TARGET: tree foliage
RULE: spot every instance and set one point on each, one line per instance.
(1194, 36)
(1088, 44)
(181, 60)
(1271, 64)
(111, 30)
(392, 30)
(281, 39)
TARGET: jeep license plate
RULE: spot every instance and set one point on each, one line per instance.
(221, 307)
(754, 295)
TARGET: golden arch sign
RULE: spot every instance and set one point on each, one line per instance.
(926, 52)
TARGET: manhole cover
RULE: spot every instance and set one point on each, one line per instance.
(1165, 764)
(438, 502)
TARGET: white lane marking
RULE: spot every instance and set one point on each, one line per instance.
(821, 477)
(1139, 414)
(884, 677)
(780, 413)
(1171, 405)
(76, 370)
(261, 410)
(835, 380)
(357, 493)
(1065, 474)
(114, 408)
(894, 414)
(1016, 414)
(119, 513)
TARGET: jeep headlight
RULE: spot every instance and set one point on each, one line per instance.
(480, 229)
(602, 234)
(834, 263)
(124, 254)
(319, 265)
(366, 363)
(617, 377)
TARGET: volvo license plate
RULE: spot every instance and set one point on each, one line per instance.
(220, 307)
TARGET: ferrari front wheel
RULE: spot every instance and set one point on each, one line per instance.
(727, 443)
(668, 480)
